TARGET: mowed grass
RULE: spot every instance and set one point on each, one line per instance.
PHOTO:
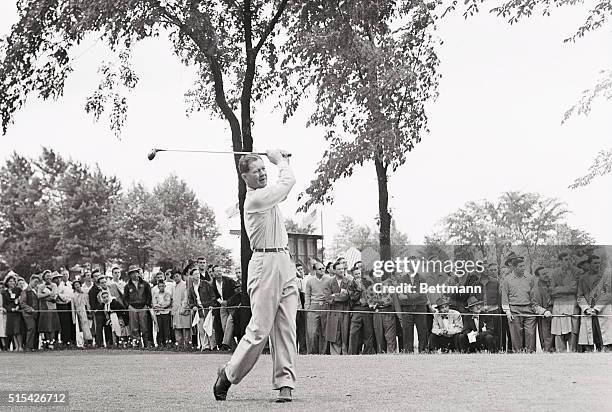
(126, 380)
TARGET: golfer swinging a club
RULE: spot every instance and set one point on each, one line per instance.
(271, 285)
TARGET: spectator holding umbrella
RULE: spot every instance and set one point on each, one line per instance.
(10, 302)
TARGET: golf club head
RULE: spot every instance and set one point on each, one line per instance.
(152, 154)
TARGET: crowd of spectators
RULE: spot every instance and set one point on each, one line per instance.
(566, 306)
(186, 309)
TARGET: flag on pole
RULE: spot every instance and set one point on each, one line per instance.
(310, 218)
(232, 211)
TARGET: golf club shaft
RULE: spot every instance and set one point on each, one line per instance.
(210, 151)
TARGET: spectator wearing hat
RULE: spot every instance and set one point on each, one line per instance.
(315, 299)
(181, 312)
(595, 300)
(48, 320)
(361, 332)
(64, 308)
(564, 289)
(29, 307)
(137, 296)
(338, 322)
(201, 299)
(81, 311)
(447, 326)
(478, 331)
(434, 278)
(10, 303)
(516, 303)
(542, 305)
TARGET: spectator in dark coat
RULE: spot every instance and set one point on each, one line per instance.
(102, 329)
(224, 289)
(10, 302)
(137, 297)
(29, 306)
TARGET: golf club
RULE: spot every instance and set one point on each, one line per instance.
(153, 152)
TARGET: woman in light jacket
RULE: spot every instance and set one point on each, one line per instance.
(181, 313)
(80, 309)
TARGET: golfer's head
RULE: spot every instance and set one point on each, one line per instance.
(253, 171)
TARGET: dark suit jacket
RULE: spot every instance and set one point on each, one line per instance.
(470, 326)
(228, 287)
(207, 296)
(29, 302)
(94, 303)
(336, 320)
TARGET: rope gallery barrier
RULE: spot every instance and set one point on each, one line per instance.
(347, 311)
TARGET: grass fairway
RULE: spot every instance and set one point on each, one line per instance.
(125, 380)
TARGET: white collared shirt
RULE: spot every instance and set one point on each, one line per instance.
(263, 220)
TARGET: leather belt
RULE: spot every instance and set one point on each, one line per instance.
(271, 250)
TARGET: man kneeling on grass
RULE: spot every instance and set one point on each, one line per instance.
(447, 325)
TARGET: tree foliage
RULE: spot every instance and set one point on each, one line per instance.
(352, 234)
(231, 45)
(527, 220)
(55, 212)
(58, 212)
(167, 224)
(370, 82)
(371, 67)
(294, 227)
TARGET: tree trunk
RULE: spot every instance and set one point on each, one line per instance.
(383, 209)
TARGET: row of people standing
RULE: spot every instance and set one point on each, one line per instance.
(510, 310)
(114, 310)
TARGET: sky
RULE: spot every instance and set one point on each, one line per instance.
(495, 127)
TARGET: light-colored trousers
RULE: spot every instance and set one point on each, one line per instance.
(205, 341)
(274, 305)
(227, 323)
